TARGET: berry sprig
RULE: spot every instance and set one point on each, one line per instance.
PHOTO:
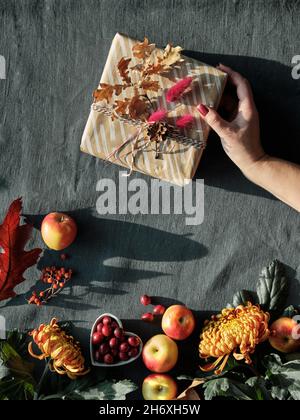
(56, 278)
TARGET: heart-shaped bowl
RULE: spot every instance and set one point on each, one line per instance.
(127, 334)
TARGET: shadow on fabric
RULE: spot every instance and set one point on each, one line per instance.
(107, 254)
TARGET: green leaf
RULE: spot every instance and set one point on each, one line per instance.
(258, 383)
(225, 387)
(241, 298)
(272, 289)
(16, 380)
(108, 390)
(289, 312)
(284, 377)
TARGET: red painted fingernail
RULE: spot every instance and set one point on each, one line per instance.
(202, 109)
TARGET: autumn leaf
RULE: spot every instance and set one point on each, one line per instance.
(13, 259)
(148, 84)
(171, 56)
(143, 50)
(104, 93)
(137, 108)
(118, 89)
(121, 106)
(123, 69)
(153, 69)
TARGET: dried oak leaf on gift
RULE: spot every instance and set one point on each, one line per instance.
(148, 84)
(121, 107)
(143, 50)
(13, 259)
(137, 108)
(123, 69)
(171, 56)
(106, 92)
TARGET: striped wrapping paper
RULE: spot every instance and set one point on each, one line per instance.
(179, 164)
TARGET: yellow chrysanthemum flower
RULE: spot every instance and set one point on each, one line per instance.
(234, 331)
(65, 353)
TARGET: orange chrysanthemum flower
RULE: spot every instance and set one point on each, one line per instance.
(235, 331)
(65, 353)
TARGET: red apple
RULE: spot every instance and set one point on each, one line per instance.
(285, 335)
(159, 387)
(178, 322)
(58, 231)
(160, 353)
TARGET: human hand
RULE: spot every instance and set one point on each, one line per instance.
(240, 137)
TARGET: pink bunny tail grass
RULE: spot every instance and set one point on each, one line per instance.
(158, 115)
(184, 121)
(174, 93)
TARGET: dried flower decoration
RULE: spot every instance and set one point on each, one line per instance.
(158, 115)
(185, 121)
(153, 62)
(177, 90)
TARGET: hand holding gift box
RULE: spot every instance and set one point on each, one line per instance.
(144, 115)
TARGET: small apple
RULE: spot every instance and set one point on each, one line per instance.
(58, 231)
(160, 353)
(285, 335)
(159, 387)
(178, 322)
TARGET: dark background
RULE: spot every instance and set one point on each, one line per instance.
(55, 53)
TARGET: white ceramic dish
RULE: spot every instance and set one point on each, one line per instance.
(128, 334)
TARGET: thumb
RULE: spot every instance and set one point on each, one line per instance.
(214, 120)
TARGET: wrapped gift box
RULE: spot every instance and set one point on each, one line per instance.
(103, 135)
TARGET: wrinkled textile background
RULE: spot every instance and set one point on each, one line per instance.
(55, 52)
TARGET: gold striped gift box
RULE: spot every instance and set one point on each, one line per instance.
(180, 161)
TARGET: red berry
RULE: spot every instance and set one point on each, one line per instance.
(99, 327)
(145, 300)
(106, 330)
(114, 352)
(97, 338)
(106, 320)
(113, 342)
(124, 347)
(159, 310)
(123, 356)
(133, 341)
(118, 332)
(148, 317)
(114, 325)
(104, 349)
(108, 359)
(133, 352)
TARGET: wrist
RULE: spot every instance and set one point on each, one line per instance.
(252, 170)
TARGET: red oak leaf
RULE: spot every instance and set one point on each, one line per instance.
(13, 259)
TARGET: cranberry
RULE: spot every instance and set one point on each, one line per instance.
(159, 310)
(108, 359)
(106, 320)
(99, 327)
(145, 300)
(133, 341)
(114, 352)
(118, 332)
(148, 317)
(97, 338)
(123, 356)
(106, 330)
(133, 352)
(104, 349)
(124, 347)
(114, 325)
(113, 342)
